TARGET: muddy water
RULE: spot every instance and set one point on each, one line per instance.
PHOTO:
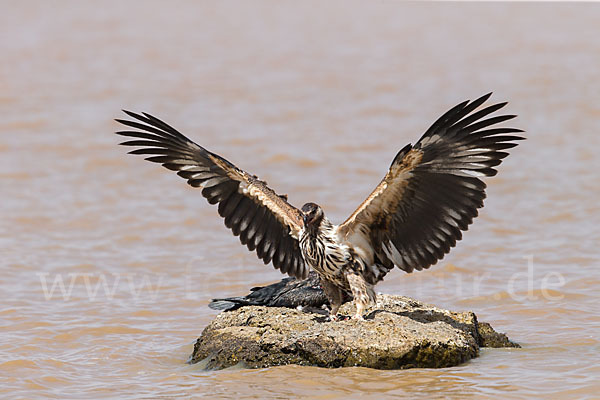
(108, 262)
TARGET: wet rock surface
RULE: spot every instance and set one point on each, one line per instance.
(398, 332)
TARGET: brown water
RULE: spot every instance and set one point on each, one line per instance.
(315, 98)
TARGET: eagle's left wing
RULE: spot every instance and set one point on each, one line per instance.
(432, 190)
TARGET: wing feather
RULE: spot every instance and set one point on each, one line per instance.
(264, 221)
(432, 191)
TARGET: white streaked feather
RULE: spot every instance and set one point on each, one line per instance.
(472, 172)
(194, 168)
(204, 175)
(452, 212)
(214, 181)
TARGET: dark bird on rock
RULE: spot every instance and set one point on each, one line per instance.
(427, 198)
(305, 294)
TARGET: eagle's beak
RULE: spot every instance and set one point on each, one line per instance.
(305, 219)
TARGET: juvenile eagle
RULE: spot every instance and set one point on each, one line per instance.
(429, 195)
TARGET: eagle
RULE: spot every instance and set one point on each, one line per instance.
(430, 194)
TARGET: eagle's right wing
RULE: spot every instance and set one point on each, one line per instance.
(263, 220)
(432, 190)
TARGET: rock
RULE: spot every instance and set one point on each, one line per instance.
(398, 332)
(490, 338)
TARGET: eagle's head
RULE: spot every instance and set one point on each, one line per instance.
(312, 214)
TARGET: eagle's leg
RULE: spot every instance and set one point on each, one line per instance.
(362, 292)
(335, 296)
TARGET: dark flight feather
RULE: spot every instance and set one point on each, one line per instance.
(289, 292)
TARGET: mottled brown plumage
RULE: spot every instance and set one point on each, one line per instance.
(430, 194)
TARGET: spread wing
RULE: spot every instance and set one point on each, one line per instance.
(432, 190)
(263, 220)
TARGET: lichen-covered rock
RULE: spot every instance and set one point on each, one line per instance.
(398, 332)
